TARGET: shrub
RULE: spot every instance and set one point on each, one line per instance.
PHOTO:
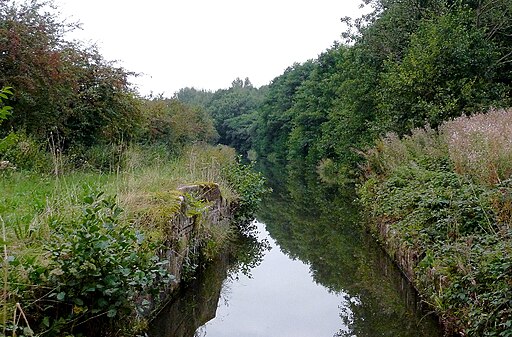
(446, 200)
(423, 146)
(250, 187)
(24, 152)
(99, 265)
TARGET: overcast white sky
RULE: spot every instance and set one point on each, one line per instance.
(206, 44)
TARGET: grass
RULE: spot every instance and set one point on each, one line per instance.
(144, 186)
(28, 200)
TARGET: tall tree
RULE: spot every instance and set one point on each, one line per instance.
(60, 86)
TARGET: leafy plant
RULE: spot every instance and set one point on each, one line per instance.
(5, 110)
(24, 152)
(100, 264)
(442, 209)
(250, 187)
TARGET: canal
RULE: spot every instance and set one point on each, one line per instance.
(306, 269)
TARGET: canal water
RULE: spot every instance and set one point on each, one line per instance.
(308, 269)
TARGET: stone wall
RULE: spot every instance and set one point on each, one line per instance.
(185, 225)
(199, 205)
(404, 256)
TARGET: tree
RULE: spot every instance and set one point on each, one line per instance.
(274, 124)
(61, 87)
(174, 124)
(449, 69)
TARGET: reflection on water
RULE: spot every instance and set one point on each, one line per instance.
(323, 276)
(281, 299)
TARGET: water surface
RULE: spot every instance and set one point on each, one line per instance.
(322, 276)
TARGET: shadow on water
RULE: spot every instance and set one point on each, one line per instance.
(319, 226)
(197, 302)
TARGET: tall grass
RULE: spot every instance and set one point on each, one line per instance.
(480, 146)
(422, 146)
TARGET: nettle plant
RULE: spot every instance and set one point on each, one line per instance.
(99, 265)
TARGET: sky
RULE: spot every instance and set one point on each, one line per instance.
(206, 44)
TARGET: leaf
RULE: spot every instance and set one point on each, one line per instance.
(111, 313)
(89, 200)
(28, 332)
(61, 296)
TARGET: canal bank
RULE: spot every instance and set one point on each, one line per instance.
(322, 276)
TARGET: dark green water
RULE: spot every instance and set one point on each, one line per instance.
(322, 276)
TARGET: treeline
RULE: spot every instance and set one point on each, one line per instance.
(410, 63)
(235, 111)
(406, 64)
(67, 98)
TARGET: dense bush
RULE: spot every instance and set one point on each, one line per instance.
(97, 267)
(441, 204)
(24, 152)
(175, 124)
(61, 88)
(249, 186)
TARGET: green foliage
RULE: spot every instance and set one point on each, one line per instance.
(24, 152)
(62, 88)
(99, 264)
(194, 97)
(249, 186)
(5, 110)
(469, 280)
(449, 69)
(409, 63)
(274, 125)
(455, 226)
(175, 124)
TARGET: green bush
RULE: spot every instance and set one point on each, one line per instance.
(99, 265)
(250, 187)
(24, 152)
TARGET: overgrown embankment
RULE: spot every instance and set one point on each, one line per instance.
(87, 252)
(441, 203)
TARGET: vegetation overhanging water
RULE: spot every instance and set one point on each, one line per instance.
(321, 262)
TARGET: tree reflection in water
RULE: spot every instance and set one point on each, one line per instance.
(320, 226)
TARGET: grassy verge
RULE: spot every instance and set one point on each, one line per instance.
(442, 202)
(70, 237)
